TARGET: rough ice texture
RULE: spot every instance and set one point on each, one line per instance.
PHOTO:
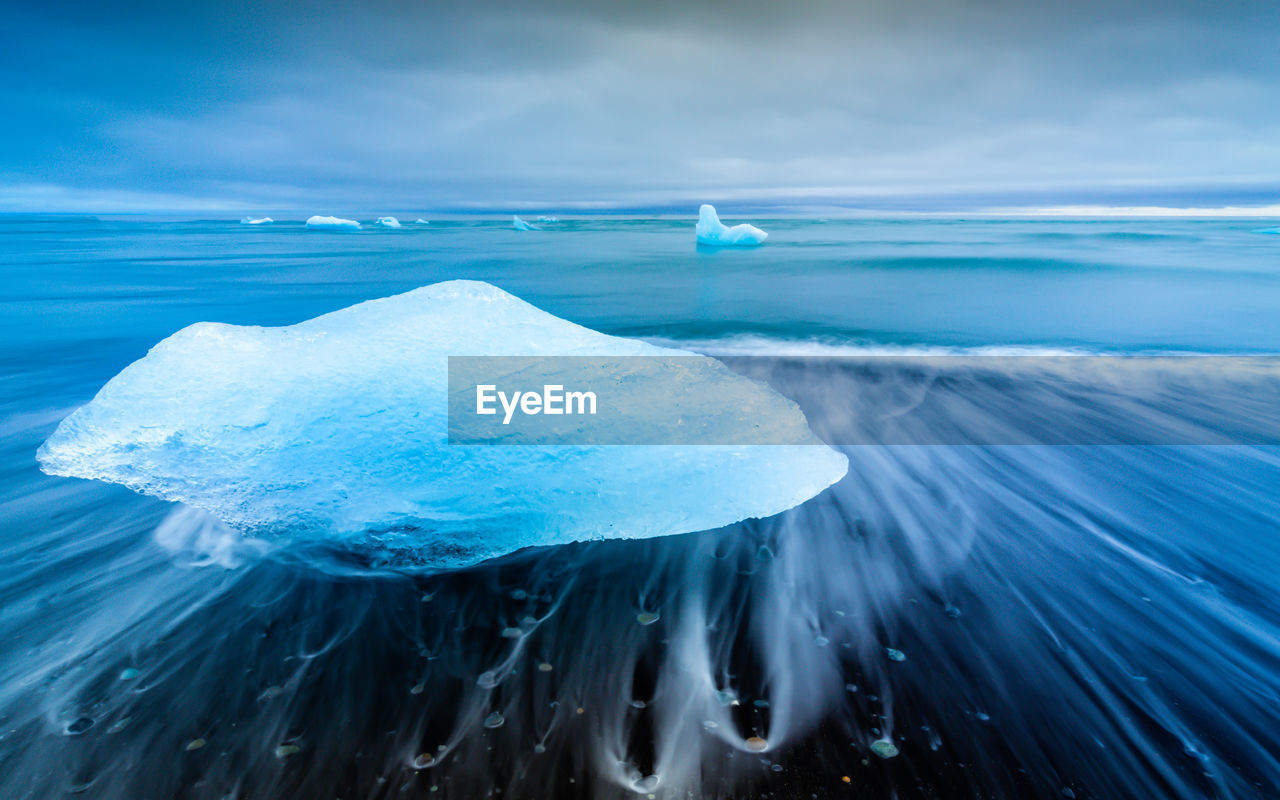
(337, 427)
(259, 221)
(332, 223)
(521, 225)
(387, 222)
(711, 231)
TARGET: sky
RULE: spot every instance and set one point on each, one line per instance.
(598, 105)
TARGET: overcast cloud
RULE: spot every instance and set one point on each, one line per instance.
(491, 106)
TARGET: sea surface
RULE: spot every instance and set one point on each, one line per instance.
(996, 621)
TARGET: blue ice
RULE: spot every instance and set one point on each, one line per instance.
(259, 221)
(332, 223)
(387, 222)
(336, 428)
(711, 231)
(521, 225)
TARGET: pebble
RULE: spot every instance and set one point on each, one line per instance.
(545, 666)
(286, 750)
(647, 617)
(423, 760)
(80, 726)
(119, 725)
(487, 680)
(884, 748)
(757, 745)
(512, 633)
(195, 744)
(494, 720)
(129, 674)
(895, 655)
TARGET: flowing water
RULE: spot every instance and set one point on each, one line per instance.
(951, 621)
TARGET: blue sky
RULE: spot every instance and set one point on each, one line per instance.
(246, 107)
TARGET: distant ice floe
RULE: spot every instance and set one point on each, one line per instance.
(260, 221)
(521, 225)
(387, 222)
(332, 223)
(548, 219)
(421, 221)
(711, 231)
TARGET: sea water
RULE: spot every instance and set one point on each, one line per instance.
(1078, 621)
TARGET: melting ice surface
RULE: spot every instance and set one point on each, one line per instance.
(387, 222)
(711, 231)
(337, 427)
(521, 225)
(331, 223)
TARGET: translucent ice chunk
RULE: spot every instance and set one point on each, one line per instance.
(337, 427)
(711, 231)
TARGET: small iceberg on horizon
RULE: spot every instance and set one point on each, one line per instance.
(548, 219)
(259, 221)
(421, 221)
(387, 222)
(521, 225)
(337, 429)
(332, 223)
(712, 232)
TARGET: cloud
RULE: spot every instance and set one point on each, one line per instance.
(612, 105)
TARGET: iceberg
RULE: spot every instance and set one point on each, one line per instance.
(260, 221)
(336, 428)
(711, 231)
(421, 221)
(521, 225)
(332, 223)
(387, 222)
(548, 219)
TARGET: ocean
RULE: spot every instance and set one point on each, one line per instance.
(949, 621)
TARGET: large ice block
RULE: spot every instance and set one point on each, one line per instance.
(337, 427)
